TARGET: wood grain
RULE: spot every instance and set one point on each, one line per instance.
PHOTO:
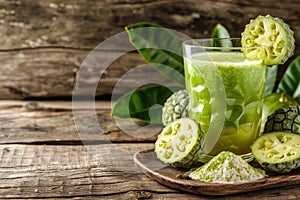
(46, 41)
(40, 123)
(52, 72)
(83, 24)
(64, 171)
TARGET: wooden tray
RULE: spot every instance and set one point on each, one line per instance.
(167, 176)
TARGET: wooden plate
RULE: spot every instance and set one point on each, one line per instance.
(167, 176)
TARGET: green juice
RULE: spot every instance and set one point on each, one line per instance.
(240, 83)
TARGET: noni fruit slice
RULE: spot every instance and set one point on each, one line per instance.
(179, 143)
(277, 151)
(268, 39)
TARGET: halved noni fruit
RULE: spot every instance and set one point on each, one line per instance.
(179, 143)
(268, 39)
(277, 151)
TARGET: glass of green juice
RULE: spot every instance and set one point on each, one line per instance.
(226, 93)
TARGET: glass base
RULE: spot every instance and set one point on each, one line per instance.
(204, 158)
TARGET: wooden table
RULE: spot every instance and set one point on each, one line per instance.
(43, 156)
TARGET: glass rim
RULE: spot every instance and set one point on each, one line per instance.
(188, 43)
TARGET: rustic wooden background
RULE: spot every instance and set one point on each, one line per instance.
(42, 46)
(44, 42)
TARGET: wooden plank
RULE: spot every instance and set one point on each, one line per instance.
(52, 73)
(52, 58)
(84, 24)
(32, 171)
(47, 123)
(35, 171)
(53, 105)
(56, 171)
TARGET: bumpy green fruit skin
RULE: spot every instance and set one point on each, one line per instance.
(273, 102)
(193, 156)
(175, 107)
(285, 119)
(280, 167)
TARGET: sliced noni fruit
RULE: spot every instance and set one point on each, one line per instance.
(277, 151)
(179, 143)
(268, 39)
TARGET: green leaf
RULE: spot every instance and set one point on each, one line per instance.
(290, 81)
(158, 45)
(144, 104)
(271, 79)
(221, 32)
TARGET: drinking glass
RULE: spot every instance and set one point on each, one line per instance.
(226, 93)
